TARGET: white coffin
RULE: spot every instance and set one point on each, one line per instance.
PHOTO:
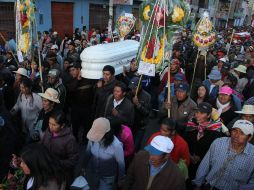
(117, 54)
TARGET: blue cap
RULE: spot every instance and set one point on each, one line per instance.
(215, 75)
(178, 76)
(183, 87)
(133, 83)
(153, 151)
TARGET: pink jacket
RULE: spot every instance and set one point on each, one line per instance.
(127, 139)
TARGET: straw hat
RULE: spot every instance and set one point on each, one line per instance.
(247, 109)
(241, 69)
(214, 75)
(50, 94)
(22, 72)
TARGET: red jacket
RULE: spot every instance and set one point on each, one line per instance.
(180, 150)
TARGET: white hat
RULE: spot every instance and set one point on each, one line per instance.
(246, 126)
(50, 94)
(55, 33)
(159, 145)
(247, 109)
(22, 72)
(223, 59)
(54, 47)
(241, 69)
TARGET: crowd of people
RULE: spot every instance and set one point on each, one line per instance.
(125, 131)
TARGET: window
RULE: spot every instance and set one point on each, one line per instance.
(7, 19)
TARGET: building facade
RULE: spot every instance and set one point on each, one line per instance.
(224, 13)
(64, 16)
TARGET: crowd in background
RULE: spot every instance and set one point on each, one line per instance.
(57, 126)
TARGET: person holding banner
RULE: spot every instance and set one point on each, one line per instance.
(181, 106)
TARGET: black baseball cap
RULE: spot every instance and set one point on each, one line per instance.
(205, 107)
(76, 65)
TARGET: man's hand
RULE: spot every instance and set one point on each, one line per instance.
(194, 159)
(99, 84)
(135, 100)
(167, 105)
(114, 112)
(16, 161)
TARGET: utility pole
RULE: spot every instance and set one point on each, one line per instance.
(229, 11)
(110, 20)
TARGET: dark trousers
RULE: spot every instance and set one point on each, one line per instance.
(208, 187)
(81, 122)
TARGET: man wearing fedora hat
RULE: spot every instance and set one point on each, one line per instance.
(247, 113)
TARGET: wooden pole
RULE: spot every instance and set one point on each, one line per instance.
(195, 65)
(39, 55)
(169, 88)
(9, 48)
(110, 20)
(205, 64)
(139, 82)
(230, 41)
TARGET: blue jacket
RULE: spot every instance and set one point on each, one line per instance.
(214, 92)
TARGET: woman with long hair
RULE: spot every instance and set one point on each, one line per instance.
(104, 157)
(28, 104)
(61, 143)
(42, 171)
(201, 94)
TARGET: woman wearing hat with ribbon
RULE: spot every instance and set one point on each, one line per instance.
(49, 102)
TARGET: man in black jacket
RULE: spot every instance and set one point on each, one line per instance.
(120, 107)
(80, 98)
(142, 106)
(104, 88)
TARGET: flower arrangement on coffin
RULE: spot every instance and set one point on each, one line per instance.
(13, 182)
(161, 18)
(24, 21)
(204, 34)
